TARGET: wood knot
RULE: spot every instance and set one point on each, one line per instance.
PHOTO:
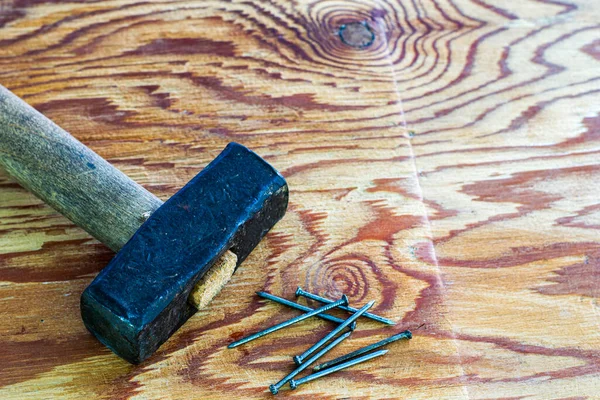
(357, 34)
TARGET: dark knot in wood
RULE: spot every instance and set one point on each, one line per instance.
(357, 34)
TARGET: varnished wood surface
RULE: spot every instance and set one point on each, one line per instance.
(449, 171)
(75, 181)
(70, 177)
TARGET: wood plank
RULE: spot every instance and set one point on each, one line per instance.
(446, 171)
(506, 148)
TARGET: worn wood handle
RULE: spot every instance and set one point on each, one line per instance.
(81, 185)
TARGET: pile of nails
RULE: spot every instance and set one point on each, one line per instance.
(329, 341)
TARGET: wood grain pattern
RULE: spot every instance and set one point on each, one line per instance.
(448, 171)
(70, 177)
(82, 186)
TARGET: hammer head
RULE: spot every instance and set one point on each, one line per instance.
(140, 298)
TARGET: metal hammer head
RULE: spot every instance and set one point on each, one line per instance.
(140, 298)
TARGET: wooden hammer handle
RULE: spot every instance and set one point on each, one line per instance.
(69, 176)
(77, 182)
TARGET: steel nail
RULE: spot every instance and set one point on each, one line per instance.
(297, 306)
(294, 384)
(298, 359)
(402, 335)
(342, 301)
(275, 388)
(303, 293)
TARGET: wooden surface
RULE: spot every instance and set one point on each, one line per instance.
(70, 177)
(81, 185)
(448, 171)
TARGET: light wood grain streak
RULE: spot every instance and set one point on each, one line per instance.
(449, 172)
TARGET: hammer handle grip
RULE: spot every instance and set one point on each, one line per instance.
(68, 176)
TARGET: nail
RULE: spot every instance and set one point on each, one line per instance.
(298, 359)
(363, 350)
(294, 384)
(342, 301)
(300, 292)
(275, 388)
(297, 306)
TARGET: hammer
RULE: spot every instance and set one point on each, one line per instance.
(173, 257)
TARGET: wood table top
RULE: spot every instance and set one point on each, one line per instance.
(443, 159)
